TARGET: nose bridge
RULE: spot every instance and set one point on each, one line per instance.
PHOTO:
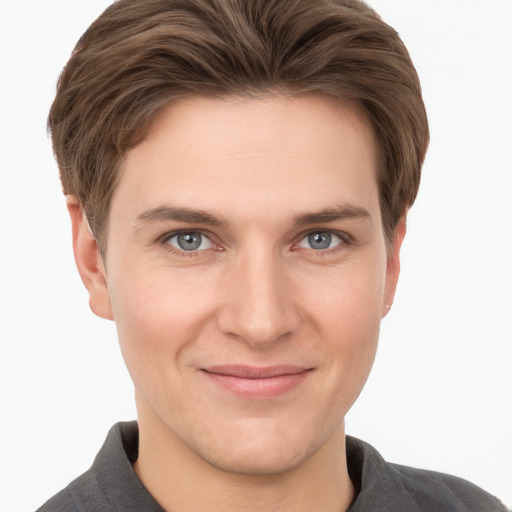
(259, 307)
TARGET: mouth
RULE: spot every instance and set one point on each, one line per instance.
(257, 382)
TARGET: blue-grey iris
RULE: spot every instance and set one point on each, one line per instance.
(189, 241)
(320, 240)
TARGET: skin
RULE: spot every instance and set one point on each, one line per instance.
(255, 292)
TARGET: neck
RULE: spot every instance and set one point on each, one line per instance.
(180, 480)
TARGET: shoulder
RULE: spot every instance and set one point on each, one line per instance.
(445, 492)
(383, 487)
(66, 500)
(81, 495)
(109, 481)
(61, 502)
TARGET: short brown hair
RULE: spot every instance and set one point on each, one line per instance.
(141, 54)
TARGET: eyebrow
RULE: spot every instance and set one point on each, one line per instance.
(340, 212)
(192, 216)
(188, 215)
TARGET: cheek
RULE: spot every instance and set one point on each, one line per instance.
(347, 314)
(348, 298)
(157, 317)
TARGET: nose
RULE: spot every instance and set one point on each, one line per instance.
(258, 303)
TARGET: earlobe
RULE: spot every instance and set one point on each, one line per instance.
(393, 265)
(89, 261)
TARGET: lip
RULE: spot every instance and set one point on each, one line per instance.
(257, 382)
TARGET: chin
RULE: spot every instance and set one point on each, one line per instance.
(247, 461)
(258, 449)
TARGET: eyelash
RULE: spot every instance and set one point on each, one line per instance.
(164, 241)
(346, 240)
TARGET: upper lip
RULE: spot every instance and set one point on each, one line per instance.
(256, 372)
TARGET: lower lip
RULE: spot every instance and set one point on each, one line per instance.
(258, 388)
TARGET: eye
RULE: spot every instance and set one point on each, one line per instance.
(321, 240)
(189, 241)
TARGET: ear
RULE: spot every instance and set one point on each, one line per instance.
(393, 265)
(89, 261)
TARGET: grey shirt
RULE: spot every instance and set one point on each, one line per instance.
(112, 485)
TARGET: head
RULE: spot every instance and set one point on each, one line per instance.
(139, 57)
(245, 168)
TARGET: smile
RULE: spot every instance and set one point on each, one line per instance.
(257, 383)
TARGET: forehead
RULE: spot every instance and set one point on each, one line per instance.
(243, 151)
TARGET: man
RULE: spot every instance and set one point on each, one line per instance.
(238, 177)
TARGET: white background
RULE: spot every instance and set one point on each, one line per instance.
(440, 393)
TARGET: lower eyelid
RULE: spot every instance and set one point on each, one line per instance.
(165, 240)
(343, 240)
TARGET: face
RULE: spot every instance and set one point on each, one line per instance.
(247, 273)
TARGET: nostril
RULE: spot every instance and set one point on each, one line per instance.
(258, 329)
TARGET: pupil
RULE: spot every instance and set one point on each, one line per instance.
(320, 240)
(189, 241)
